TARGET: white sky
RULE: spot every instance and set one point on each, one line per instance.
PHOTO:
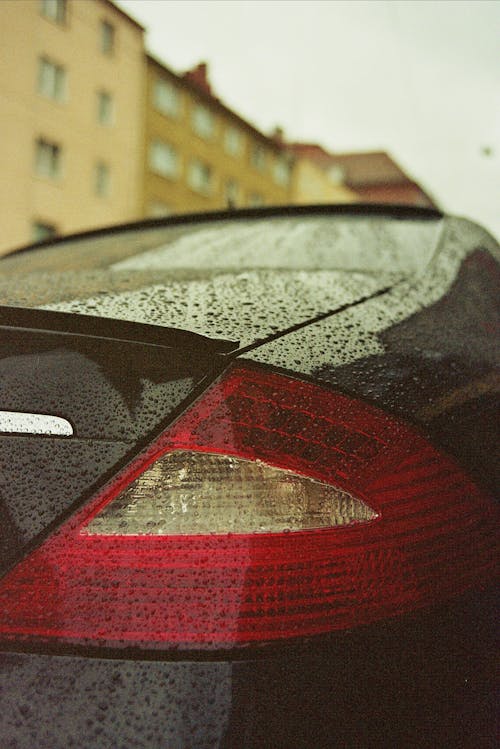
(418, 78)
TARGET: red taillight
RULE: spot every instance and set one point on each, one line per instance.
(353, 517)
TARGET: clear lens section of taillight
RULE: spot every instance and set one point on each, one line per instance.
(272, 509)
(187, 492)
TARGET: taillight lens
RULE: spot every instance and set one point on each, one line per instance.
(186, 492)
(272, 509)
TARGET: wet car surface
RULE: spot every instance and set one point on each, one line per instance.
(352, 347)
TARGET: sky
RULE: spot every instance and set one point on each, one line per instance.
(417, 78)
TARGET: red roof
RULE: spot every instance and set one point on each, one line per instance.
(374, 175)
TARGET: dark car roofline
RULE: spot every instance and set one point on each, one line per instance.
(344, 209)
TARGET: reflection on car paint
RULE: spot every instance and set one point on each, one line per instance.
(19, 422)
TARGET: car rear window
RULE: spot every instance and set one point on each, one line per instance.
(302, 242)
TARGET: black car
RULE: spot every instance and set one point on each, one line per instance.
(247, 486)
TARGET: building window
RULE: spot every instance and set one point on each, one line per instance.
(203, 122)
(282, 171)
(166, 98)
(258, 157)
(233, 141)
(231, 193)
(336, 174)
(48, 158)
(163, 159)
(55, 10)
(102, 179)
(104, 108)
(255, 200)
(51, 79)
(41, 230)
(200, 177)
(107, 38)
(158, 209)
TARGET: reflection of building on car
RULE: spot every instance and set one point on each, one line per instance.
(270, 522)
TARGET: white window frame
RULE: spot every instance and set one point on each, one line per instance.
(102, 179)
(105, 108)
(166, 97)
(255, 200)
(159, 209)
(41, 230)
(163, 159)
(51, 79)
(258, 157)
(233, 141)
(282, 171)
(336, 175)
(48, 158)
(107, 42)
(203, 122)
(231, 192)
(200, 177)
(54, 10)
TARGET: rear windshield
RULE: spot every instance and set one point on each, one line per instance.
(301, 242)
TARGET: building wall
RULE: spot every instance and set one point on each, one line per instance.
(312, 184)
(368, 176)
(405, 193)
(174, 192)
(68, 201)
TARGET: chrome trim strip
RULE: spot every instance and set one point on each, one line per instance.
(17, 422)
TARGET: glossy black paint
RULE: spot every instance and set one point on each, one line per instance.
(422, 681)
(438, 370)
(419, 682)
(117, 383)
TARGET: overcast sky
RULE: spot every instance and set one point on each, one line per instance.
(420, 79)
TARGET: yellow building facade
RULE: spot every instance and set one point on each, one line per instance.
(199, 155)
(311, 184)
(71, 118)
(95, 131)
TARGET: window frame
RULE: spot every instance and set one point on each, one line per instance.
(60, 16)
(171, 173)
(199, 111)
(234, 148)
(159, 209)
(102, 179)
(258, 157)
(105, 116)
(37, 230)
(48, 153)
(107, 37)
(197, 166)
(172, 106)
(231, 185)
(58, 82)
(282, 171)
(256, 200)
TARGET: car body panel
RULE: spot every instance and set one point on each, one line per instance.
(422, 681)
(250, 280)
(417, 342)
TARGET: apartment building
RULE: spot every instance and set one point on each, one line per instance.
(377, 178)
(95, 131)
(364, 176)
(71, 96)
(200, 155)
(314, 183)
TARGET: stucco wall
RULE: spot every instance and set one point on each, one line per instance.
(68, 201)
